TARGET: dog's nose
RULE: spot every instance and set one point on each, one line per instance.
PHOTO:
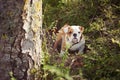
(74, 34)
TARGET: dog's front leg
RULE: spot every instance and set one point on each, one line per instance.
(63, 46)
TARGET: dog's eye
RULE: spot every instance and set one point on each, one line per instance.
(79, 32)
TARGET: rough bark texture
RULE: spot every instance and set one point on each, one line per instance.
(31, 44)
(19, 38)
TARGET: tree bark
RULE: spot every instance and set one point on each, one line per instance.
(31, 44)
(20, 42)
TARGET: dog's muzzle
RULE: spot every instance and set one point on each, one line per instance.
(75, 40)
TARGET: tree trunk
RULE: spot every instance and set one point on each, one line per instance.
(31, 44)
(20, 43)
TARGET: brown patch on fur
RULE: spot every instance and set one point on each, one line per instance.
(70, 31)
(81, 28)
(61, 38)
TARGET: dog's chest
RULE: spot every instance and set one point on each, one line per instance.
(78, 47)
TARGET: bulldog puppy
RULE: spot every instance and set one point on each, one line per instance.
(70, 38)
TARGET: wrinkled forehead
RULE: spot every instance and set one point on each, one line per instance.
(75, 28)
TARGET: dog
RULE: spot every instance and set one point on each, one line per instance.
(70, 38)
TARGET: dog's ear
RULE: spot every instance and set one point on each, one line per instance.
(66, 28)
(81, 28)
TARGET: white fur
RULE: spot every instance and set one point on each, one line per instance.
(80, 46)
(65, 29)
(69, 44)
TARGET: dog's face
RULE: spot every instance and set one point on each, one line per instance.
(73, 33)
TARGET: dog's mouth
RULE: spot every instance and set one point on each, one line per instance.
(75, 40)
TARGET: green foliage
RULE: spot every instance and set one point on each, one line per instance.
(102, 67)
(116, 41)
(101, 19)
(11, 75)
(53, 70)
(67, 12)
(62, 73)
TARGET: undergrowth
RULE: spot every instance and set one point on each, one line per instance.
(101, 21)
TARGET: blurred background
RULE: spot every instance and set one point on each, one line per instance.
(101, 20)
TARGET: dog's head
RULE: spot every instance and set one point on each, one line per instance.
(73, 33)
